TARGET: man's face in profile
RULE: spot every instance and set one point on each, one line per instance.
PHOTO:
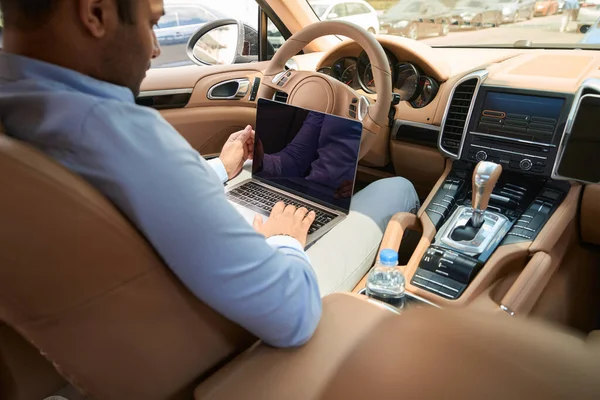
(133, 45)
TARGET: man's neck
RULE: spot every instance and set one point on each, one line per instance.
(37, 46)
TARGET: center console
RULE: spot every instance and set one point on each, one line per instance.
(499, 191)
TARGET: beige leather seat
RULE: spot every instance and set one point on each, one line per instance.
(85, 289)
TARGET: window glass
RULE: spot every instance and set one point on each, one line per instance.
(339, 10)
(169, 20)
(181, 21)
(194, 15)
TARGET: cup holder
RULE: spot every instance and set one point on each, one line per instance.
(409, 300)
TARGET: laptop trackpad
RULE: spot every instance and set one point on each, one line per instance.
(247, 213)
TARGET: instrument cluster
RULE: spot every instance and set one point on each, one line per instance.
(409, 81)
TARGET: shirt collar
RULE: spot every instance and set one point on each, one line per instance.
(15, 67)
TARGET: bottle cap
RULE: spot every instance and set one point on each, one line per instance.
(388, 257)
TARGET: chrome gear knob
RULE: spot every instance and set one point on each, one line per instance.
(485, 177)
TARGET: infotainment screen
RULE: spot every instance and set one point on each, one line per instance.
(519, 116)
(581, 147)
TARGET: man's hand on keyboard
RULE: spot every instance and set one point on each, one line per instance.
(286, 220)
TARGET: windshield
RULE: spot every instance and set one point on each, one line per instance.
(475, 23)
(319, 9)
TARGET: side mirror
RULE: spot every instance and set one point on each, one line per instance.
(584, 28)
(332, 16)
(223, 42)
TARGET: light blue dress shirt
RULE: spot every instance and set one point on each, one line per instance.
(175, 197)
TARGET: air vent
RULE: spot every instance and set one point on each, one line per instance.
(280, 96)
(456, 117)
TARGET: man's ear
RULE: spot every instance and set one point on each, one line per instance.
(98, 16)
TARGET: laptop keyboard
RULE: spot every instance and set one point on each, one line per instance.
(260, 199)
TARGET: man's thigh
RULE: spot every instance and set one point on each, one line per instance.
(345, 254)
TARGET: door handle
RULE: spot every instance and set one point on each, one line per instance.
(233, 89)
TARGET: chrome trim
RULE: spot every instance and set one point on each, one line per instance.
(481, 177)
(241, 92)
(493, 230)
(507, 310)
(363, 105)
(277, 77)
(592, 84)
(165, 92)
(511, 139)
(363, 291)
(508, 151)
(480, 76)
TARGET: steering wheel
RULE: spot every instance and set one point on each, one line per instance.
(320, 92)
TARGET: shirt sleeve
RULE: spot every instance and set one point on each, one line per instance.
(217, 166)
(174, 197)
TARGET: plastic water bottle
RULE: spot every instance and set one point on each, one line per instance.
(385, 281)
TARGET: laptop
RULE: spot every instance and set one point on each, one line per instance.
(304, 158)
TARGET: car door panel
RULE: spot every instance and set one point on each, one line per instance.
(204, 123)
(207, 123)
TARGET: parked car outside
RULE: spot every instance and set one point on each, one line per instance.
(543, 8)
(181, 20)
(416, 19)
(356, 11)
(587, 16)
(514, 10)
(592, 33)
(475, 13)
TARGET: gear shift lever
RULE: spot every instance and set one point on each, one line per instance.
(485, 176)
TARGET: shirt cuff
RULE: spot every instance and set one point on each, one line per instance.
(283, 241)
(217, 165)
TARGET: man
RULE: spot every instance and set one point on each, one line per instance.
(68, 78)
(570, 13)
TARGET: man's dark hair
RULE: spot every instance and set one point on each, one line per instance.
(26, 14)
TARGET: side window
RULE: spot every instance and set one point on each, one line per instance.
(339, 10)
(185, 17)
(363, 9)
(274, 37)
(194, 16)
(169, 20)
(355, 9)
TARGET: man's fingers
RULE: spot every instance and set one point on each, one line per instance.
(301, 212)
(243, 133)
(278, 208)
(309, 219)
(257, 223)
(289, 209)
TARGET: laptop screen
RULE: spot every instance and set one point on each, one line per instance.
(309, 153)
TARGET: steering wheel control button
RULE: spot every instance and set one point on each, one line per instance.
(481, 155)
(363, 107)
(525, 164)
(278, 77)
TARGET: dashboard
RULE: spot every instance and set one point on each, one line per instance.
(409, 80)
(501, 105)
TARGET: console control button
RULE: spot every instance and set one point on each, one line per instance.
(525, 164)
(481, 155)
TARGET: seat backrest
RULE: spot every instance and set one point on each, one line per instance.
(81, 284)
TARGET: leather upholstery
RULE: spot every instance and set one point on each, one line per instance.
(358, 353)
(78, 281)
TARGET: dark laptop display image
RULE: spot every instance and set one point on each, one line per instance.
(304, 158)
